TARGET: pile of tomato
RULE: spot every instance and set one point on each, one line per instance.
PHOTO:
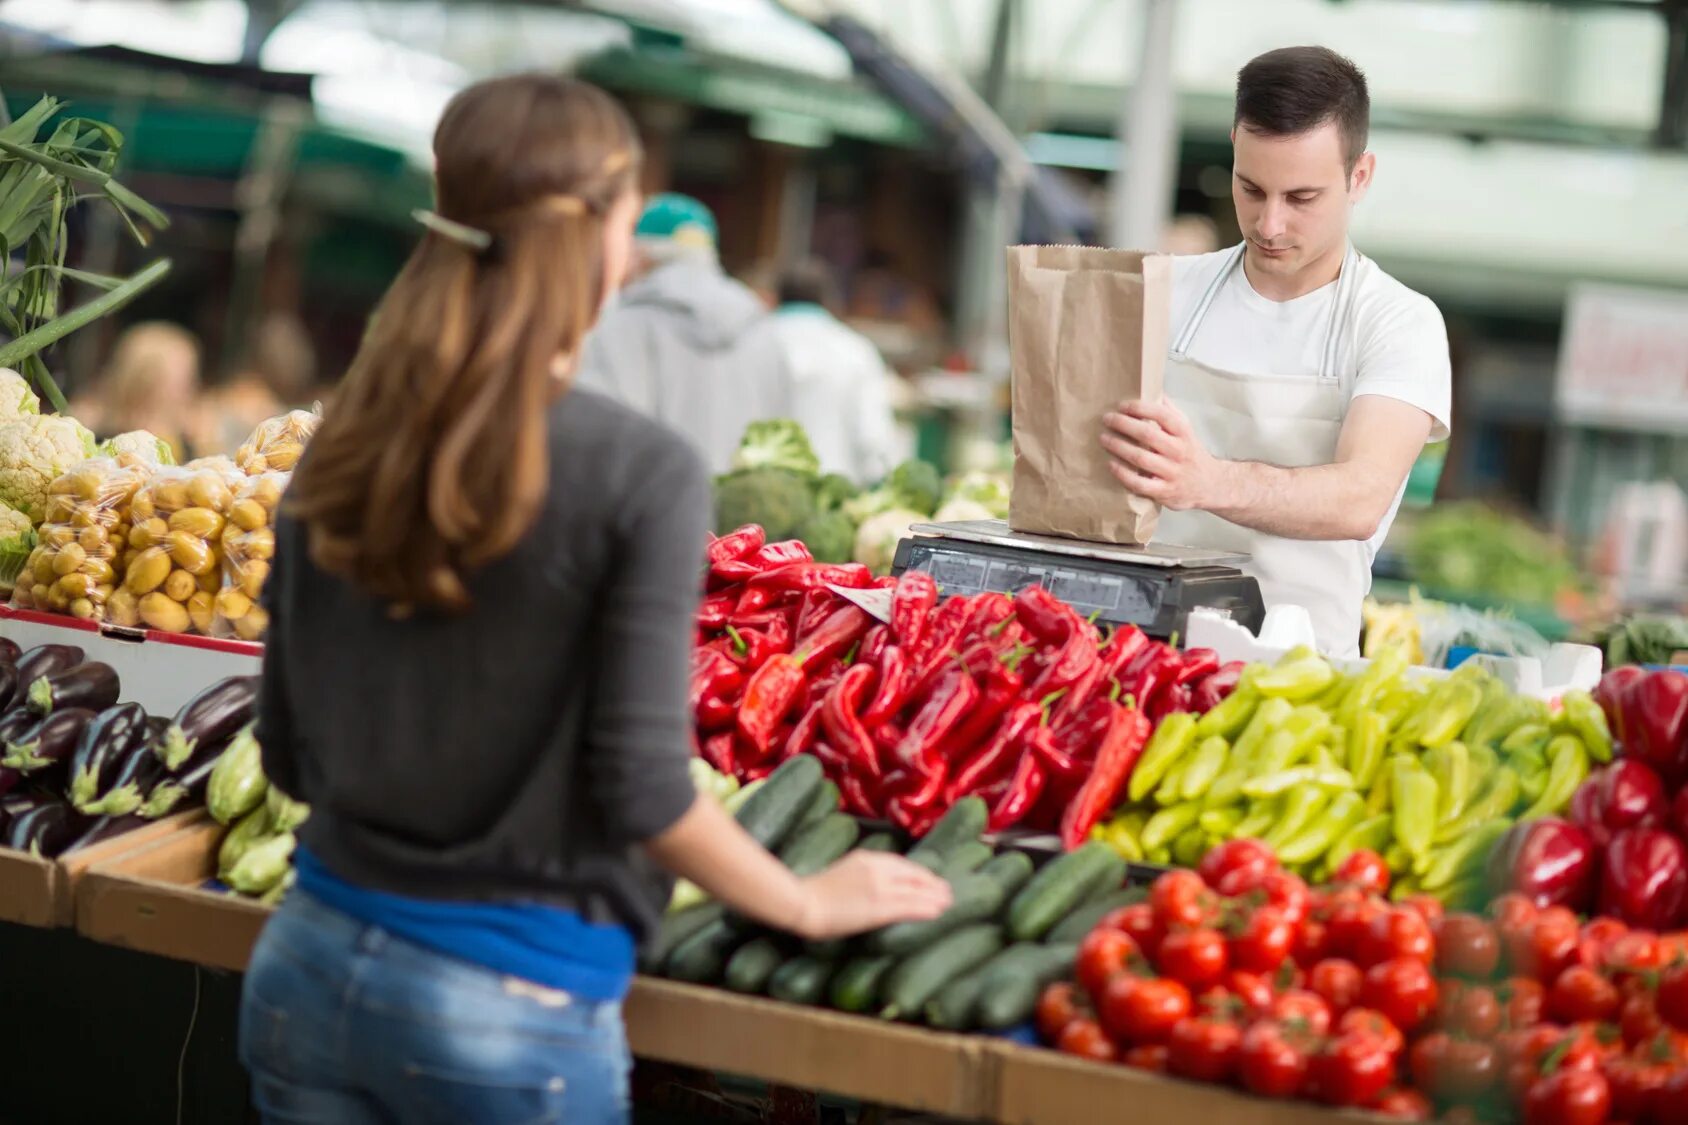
(1239, 973)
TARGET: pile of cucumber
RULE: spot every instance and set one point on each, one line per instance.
(1009, 931)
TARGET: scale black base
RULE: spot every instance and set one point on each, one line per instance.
(1154, 587)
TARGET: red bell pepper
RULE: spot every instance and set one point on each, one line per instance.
(1654, 722)
(1075, 658)
(1644, 879)
(841, 717)
(1024, 789)
(718, 751)
(919, 792)
(769, 696)
(802, 576)
(1063, 765)
(1550, 861)
(714, 676)
(835, 636)
(912, 603)
(755, 599)
(1124, 645)
(1625, 794)
(1196, 664)
(1122, 744)
(1610, 693)
(713, 713)
(954, 694)
(995, 757)
(987, 614)
(746, 540)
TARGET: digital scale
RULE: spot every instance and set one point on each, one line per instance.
(1153, 587)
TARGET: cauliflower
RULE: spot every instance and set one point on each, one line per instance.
(17, 541)
(959, 509)
(34, 451)
(877, 538)
(16, 397)
(779, 443)
(988, 490)
(912, 486)
(139, 446)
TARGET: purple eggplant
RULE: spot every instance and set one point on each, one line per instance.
(14, 805)
(213, 716)
(92, 685)
(13, 724)
(9, 650)
(139, 775)
(46, 830)
(8, 683)
(49, 742)
(45, 660)
(101, 752)
(103, 828)
(183, 790)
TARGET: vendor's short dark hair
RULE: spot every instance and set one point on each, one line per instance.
(808, 282)
(1294, 90)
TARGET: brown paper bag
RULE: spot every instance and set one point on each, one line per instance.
(1087, 329)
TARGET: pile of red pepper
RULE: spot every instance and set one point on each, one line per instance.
(1020, 700)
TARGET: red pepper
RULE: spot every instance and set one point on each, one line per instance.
(804, 734)
(874, 644)
(997, 755)
(1214, 690)
(888, 736)
(752, 648)
(1197, 664)
(832, 761)
(768, 698)
(916, 824)
(1000, 687)
(1023, 791)
(763, 618)
(1157, 672)
(1653, 720)
(1045, 616)
(841, 717)
(755, 599)
(1174, 697)
(716, 610)
(912, 603)
(714, 675)
(1121, 746)
(747, 540)
(783, 553)
(719, 753)
(858, 798)
(757, 773)
(993, 792)
(884, 582)
(816, 607)
(714, 713)
(919, 792)
(1123, 646)
(988, 611)
(1078, 654)
(943, 634)
(835, 636)
(952, 697)
(801, 576)
(1086, 689)
(1062, 765)
(893, 688)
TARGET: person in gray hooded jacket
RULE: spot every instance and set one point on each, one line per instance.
(684, 343)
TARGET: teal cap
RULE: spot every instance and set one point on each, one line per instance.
(677, 217)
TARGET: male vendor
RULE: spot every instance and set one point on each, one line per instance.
(1303, 381)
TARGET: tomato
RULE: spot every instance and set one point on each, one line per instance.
(1364, 869)
(1337, 982)
(1512, 911)
(1085, 1038)
(1670, 1101)
(1253, 990)
(1403, 1105)
(1101, 955)
(1582, 994)
(1143, 1010)
(1272, 1060)
(1604, 930)
(1400, 932)
(1568, 1097)
(1467, 946)
(1137, 920)
(1544, 946)
(1522, 1001)
(1403, 990)
(1195, 958)
(1300, 1009)
(1151, 1057)
(1203, 1049)
(1521, 1053)
(1631, 954)
(1639, 1020)
(1453, 1070)
(1349, 921)
(1636, 1086)
(1469, 1010)
(1237, 867)
(1289, 893)
(1587, 1045)
(1673, 997)
(1351, 1070)
(1056, 1008)
(1265, 941)
(1428, 907)
(1364, 1021)
(1180, 900)
(1312, 943)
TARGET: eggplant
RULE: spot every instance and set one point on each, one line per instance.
(13, 724)
(101, 752)
(181, 791)
(46, 830)
(45, 660)
(212, 716)
(9, 650)
(49, 742)
(103, 828)
(8, 683)
(137, 777)
(93, 685)
(14, 805)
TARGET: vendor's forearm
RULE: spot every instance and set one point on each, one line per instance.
(1323, 502)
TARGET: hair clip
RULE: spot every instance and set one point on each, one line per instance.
(477, 240)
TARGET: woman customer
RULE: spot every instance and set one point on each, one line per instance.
(476, 672)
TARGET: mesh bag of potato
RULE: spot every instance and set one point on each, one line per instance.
(77, 562)
(277, 444)
(248, 547)
(173, 571)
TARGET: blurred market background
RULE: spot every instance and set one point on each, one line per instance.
(1532, 180)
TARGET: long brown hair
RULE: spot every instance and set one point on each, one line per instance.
(432, 461)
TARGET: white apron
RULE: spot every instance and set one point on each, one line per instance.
(1290, 421)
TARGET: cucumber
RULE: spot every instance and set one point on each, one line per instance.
(753, 964)
(774, 810)
(1011, 869)
(918, 978)
(956, 1007)
(856, 987)
(676, 928)
(878, 842)
(701, 958)
(964, 823)
(1009, 993)
(978, 897)
(814, 848)
(1083, 919)
(964, 860)
(801, 980)
(826, 801)
(1062, 884)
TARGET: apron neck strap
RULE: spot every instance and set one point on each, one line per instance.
(1344, 297)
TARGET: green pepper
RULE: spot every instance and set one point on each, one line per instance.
(1463, 857)
(1467, 894)
(1204, 767)
(1526, 739)
(1448, 711)
(1414, 794)
(1345, 811)
(1567, 767)
(1300, 808)
(1498, 718)
(1365, 748)
(1588, 722)
(1450, 765)
(1191, 845)
(1165, 825)
(1484, 761)
(1400, 703)
(1165, 747)
(1532, 783)
(1372, 834)
(1292, 742)
(1261, 816)
(1166, 793)
(1221, 822)
(1396, 857)
(1324, 758)
(1231, 717)
(1272, 784)
(1301, 674)
(1161, 857)
(1381, 675)
(1228, 786)
(1404, 885)
(1497, 799)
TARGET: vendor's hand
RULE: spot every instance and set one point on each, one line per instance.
(1156, 455)
(867, 890)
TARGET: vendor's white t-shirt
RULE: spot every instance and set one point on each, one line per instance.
(1393, 336)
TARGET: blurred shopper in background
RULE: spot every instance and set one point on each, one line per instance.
(278, 374)
(686, 344)
(476, 673)
(150, 382)
(841, 388)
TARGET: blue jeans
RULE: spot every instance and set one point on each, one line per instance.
(344, 1024)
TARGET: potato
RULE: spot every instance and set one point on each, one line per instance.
(102, 593)
(141, 508)
(283, 455)
(254, 625)
(101, 571)
(93, 538)
(201, 611)
(88, 484)
(57, 535)
(202, 522)
(210, 581)
(57, 600)
(39, 593)
(123, 608)
(253, 575)
(84, 517)
(24, 596)
(192, 553)
(82, 609)
(107, 551)
(267, 491)
(148, 571)
(139, 537)
(160, 612)
(249, 515)
(43, 571)
(180, 586)
(60, 509)
(232, 604)
(63, 485)
(76, 585)
(207, 490)
(259, 544)
(171, 495)
(70, 558)
(256, 464)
